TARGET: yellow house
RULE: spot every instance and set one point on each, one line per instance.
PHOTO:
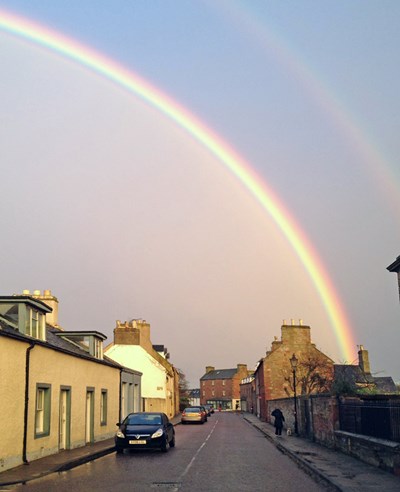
(57, 390)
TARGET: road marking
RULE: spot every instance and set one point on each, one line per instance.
(197, 453)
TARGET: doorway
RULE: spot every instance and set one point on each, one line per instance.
(89, 428)
(64, 418)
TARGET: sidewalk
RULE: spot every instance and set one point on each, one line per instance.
(64, 460)
(335, 469)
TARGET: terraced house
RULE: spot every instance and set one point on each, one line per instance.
(58, 390)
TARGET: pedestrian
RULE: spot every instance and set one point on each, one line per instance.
(279, 419)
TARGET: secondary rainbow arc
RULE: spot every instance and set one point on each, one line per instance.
(96, 62)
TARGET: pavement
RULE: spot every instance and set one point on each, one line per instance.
(335, 470)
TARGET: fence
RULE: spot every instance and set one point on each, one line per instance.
(374, 416)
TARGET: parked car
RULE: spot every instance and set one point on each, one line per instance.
(194, 414)
(209, 409)
(145, 430)
(203, 409)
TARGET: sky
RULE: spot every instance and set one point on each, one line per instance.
(123, 214)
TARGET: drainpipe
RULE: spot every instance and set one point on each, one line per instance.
(27, 363)
(120, 394)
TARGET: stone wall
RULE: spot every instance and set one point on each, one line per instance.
(318, 420)
(377, 452)
(324, 419)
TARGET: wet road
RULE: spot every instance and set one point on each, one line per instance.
(224, 454)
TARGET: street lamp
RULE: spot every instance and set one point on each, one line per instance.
(293, 362)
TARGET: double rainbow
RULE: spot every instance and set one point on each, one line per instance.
(133, 83)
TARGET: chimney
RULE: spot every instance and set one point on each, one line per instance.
(51, 301)
(242, 370)
(209, 369)
(363, 360)
(134, 332)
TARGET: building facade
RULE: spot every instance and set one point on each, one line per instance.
(221, 387)
(57, 390)
(132, 348)
(248, 394)
(274, 374)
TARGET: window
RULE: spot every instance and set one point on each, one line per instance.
(212, 393)
(98, 348)
(204, 393)
(212, 383)
(103, 407)
(223, 393)
(35, 324)
(42, 410)
(223, 382)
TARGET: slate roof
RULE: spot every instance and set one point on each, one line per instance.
(358, 379)
(56, 343)
(219, 374)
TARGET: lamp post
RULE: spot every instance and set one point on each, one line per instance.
(293, 362)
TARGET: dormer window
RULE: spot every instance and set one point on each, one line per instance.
(89, 341)
(25, 315)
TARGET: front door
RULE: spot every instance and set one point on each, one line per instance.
(64, 420)
(89, 434)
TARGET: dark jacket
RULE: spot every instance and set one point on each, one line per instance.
(279, 418)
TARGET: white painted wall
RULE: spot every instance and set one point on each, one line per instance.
(135, 357)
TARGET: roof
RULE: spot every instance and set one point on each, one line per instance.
(385, 384)
(41, 305)
(395, 266)
(219, 374)
(55, 342)
(356, 377)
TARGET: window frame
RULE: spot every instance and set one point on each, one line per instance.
(42, 430)
(103, 406)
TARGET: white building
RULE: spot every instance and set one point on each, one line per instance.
(132, 348)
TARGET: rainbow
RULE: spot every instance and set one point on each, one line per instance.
(66, 47)
(381, 174)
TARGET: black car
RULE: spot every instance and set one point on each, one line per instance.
(145, 430)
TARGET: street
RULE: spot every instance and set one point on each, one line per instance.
(224, 454)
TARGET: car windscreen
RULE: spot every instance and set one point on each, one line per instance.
(144, 419)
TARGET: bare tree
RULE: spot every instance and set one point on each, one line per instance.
(183, 389)
(314, 374)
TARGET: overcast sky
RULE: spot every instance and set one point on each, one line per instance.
(123, 215)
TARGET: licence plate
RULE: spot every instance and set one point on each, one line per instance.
(137, 442)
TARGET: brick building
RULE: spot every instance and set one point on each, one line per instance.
(221, 387)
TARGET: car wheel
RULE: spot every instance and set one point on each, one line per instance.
(172, 442)
(119, 450)
(164, 447)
